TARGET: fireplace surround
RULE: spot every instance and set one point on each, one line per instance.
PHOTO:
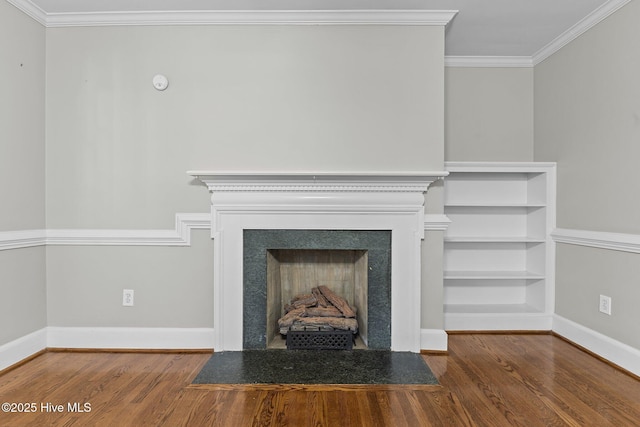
(319, 202)
(374, 246)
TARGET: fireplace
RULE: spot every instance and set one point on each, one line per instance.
(310, 206)
(279, 264)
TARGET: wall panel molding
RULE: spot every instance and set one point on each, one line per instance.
(598, 239)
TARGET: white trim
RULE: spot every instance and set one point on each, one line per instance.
(22, 239)
(590, 21)
(614, 351)
(130, 338)
(498, 321)
(342, 182)
(31, 10)
(23, 347)
(321, 201)
(488, 61)
(436, 222)
(598, 239)
(434, 340)
(499, 166)
(179, 236)
(238, 17)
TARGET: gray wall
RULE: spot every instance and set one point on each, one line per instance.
(587, 118)
(489, 114)
(173, 285)
(22, 186)
(240, 98)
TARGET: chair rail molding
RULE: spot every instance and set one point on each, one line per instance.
(180, 235)
(22, 239)
(598, 239)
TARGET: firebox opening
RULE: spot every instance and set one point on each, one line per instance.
(292, 272)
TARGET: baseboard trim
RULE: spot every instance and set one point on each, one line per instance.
(17, 351)
(131, 350)
(613, 351)
(433, 340)
(129, 338)
(480, 322)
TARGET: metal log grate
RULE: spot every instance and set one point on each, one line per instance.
(319, 340)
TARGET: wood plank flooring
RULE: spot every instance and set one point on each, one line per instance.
(485, 380)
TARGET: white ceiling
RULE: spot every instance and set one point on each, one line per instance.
(522, 29)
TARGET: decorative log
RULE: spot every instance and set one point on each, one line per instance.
(308, 301)
(300, 297)
(335, 299)
(342, 323)
(323, 312)
(322, 301)
(288, 319)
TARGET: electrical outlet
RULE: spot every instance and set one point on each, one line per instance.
(127, 297)
(605, 304)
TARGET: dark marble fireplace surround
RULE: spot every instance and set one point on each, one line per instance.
(256, 243)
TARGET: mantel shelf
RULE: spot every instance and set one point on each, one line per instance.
(320, 181)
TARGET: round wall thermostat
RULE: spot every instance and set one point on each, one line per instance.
(160, 82)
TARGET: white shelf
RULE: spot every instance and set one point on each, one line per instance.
(494, 205)
(492, 275)
(498, 254)
(493, 239)
(490, 308)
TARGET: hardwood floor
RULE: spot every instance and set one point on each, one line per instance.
(486, 380)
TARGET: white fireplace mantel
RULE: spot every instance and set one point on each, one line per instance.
(319, 181)
(322, 201)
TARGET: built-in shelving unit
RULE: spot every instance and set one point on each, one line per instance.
(499, 256)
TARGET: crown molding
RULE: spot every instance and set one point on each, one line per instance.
(237, 17)
(578, 29)
(30, 9)
(555, 45)
(488, 61)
